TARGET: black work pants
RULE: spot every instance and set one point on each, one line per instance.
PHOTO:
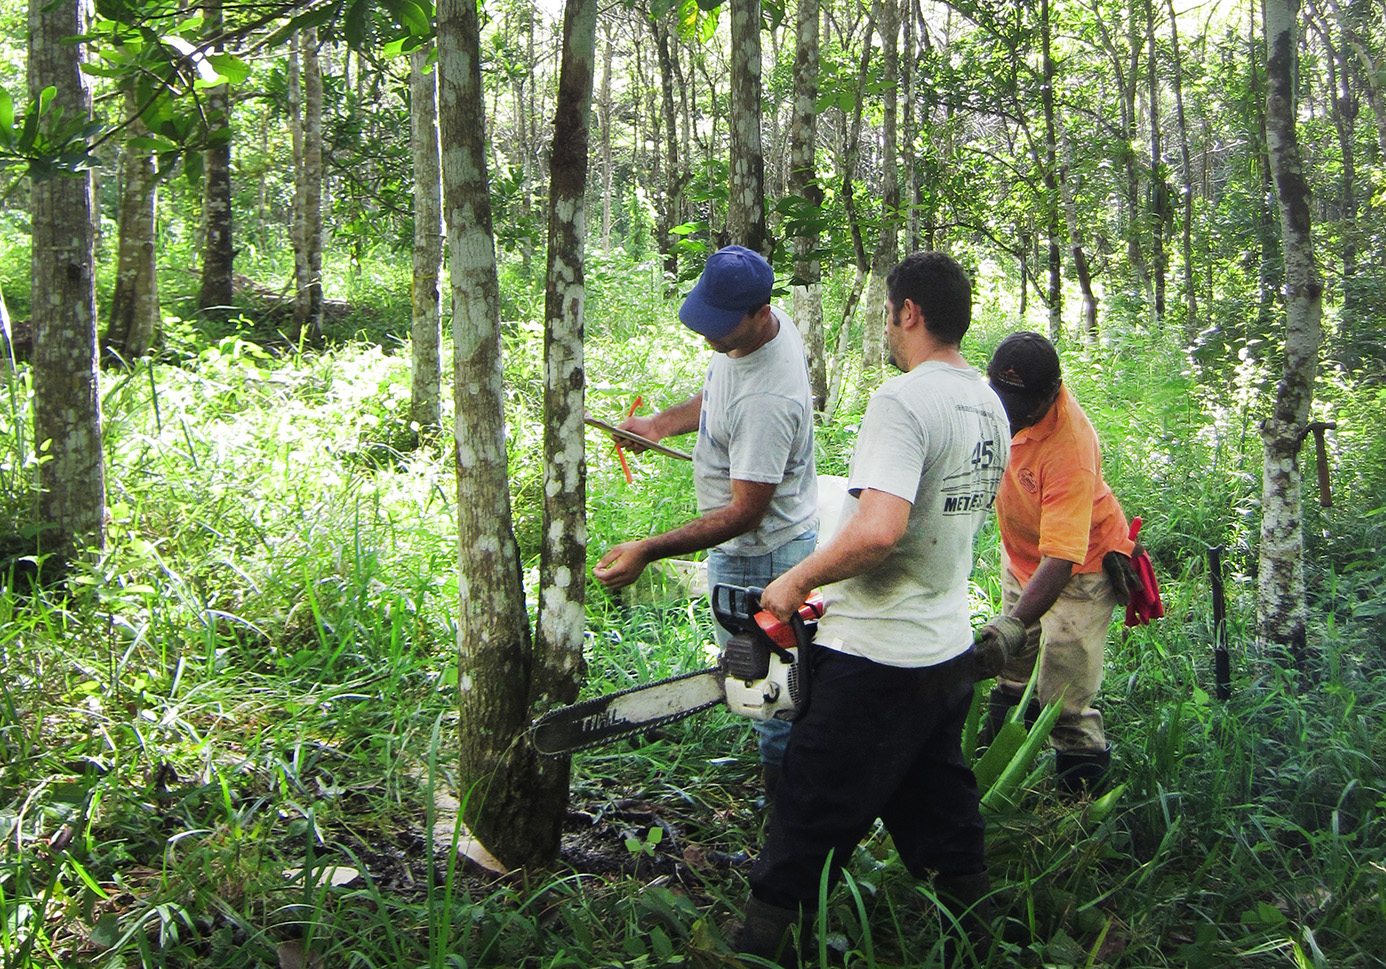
(876, 741)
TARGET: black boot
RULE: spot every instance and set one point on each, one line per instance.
(966, 915)
(999, 706)
(766, 933)
(1081, 772)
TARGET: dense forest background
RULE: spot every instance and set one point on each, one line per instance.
(230, 728)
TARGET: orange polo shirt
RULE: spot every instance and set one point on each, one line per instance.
(1053, 500)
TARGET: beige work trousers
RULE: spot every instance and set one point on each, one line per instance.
(1068, 642)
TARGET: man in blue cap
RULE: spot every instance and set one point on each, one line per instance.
(753, 464)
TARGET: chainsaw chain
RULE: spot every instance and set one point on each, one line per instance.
(572, 716)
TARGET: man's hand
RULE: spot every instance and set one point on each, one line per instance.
(1122, 574)
(644, 426)
(995, 644)
(622, 565)
(783, 597)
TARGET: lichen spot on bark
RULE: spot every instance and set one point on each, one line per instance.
(464, 682)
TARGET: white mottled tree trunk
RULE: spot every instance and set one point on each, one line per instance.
(67, 398)
(746, 198)
(425, 406)
(558, 663)
(493, 635)
(803, 182)
(887, 252)
(1281, 610)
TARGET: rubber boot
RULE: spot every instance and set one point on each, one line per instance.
(966, 915)
(1081, 772)
(766, 933)
(999, 706)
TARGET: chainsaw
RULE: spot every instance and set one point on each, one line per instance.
(760, 674)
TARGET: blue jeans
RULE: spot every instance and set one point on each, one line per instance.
(757, 571)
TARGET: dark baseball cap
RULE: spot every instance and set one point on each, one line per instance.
(735, 280)
(1024, 371)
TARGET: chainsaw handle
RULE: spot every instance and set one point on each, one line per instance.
(785, 635)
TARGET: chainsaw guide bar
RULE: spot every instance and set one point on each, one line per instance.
(627, 713)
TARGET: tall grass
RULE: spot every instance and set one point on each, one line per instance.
(250, 690)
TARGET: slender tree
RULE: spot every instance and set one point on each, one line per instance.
(425, 332)
(305, 106)
(803, 183)
(558, 661)
(1281, 610)
(218, 255)
(493, 634)
(887, 251)
(135, 302)
(746, 201)
(67, 398)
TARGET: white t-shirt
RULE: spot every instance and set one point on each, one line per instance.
(757, 425)
(937, 437)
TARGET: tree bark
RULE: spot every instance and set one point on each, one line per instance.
(746, 199)
(426, 374)
(558, 663)
(604, 119)
(1077, 247)
(671, 212)
(135, 301)
(1054, 297)
(887, 252)
(493, 635)
(803, 183)
(1160, 207)
(1191, 326)
(305, 100)
(67, 398)
(218, 255)
(1281, 609)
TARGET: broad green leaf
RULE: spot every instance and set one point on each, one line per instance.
(6, 116)
(358, 21)
(230, 67)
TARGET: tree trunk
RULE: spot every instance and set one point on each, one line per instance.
(426, 333)
(135, 301)
(887, 252)
(604, 119)
(305, 101)
(67, 398)
(1281, 610)
(1191, 326)
(493, 635)
(1160, 203)
(803, 183)
(671, 212)
(218, 256)
(1075, 237)
(1054, 298)
(558, 663)
(746, 197)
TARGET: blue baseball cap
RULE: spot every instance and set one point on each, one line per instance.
(735, 280)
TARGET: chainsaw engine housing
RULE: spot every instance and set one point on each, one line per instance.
(763, 679)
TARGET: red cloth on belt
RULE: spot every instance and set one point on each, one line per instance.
(1145, 603)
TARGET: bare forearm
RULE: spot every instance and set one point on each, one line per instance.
(681, 418)
(702, 532)
(1043, 590)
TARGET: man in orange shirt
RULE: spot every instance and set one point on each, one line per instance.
(1060, 581)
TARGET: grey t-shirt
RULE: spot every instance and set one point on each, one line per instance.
(757, 425)
(937, 437)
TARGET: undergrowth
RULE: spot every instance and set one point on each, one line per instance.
(221, 739)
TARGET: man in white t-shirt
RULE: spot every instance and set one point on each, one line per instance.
(753, 463)
(892, 670)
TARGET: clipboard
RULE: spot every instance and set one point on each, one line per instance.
(638, 439)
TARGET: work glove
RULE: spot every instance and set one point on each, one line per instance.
(1122, 574)
(995, 643)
